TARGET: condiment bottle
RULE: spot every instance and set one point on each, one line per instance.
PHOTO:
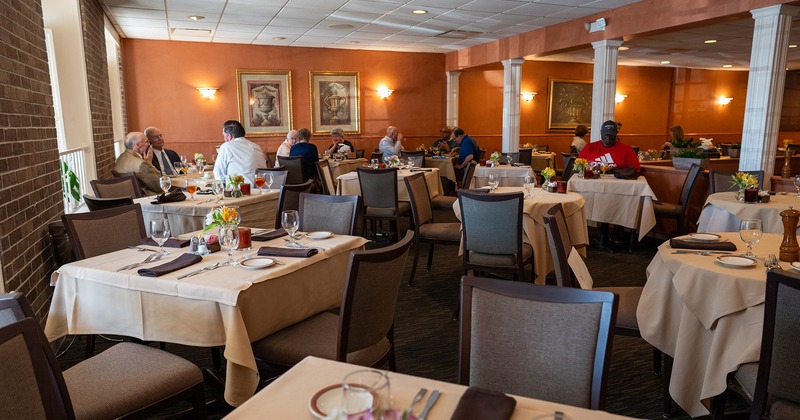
(790, 251)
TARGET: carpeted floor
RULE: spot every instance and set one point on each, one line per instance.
(427, 337)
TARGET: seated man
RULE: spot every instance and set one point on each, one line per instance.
(163, 159)
(338, 140)
(237, 156)
(309, 155)
(445, 143)
(467, 152)
(391, 144)
(609, 149)
(137, 158)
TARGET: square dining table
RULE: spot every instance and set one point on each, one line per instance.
(722, 212)
(444, 164)
(349, 184)
(230, 306)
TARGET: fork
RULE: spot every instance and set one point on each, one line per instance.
(150, 258)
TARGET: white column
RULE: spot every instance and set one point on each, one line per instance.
(604, 83)
(452, 98)
(512, 78)
(762, 112)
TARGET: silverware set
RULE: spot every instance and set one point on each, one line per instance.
(141, 249)
(428, 405)
(417, 398)
(150, 258)
(195, 272)
(701, 252)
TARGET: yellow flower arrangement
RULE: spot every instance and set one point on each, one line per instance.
(526, 146)
(580, 165)
(421, 147)
(787, 142)
(745, 180)
(548, 173)
(221, 216)
(198, 156)
(235, 179)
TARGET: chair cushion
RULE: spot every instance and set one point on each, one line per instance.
(499, 260)
(628, 301)
(784, 409)
(441, 231)
(443, 201)
(316, 336)
(666, 209)
(746, 377)
(403, 206)
(126, 378)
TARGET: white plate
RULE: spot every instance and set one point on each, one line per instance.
(796, 265)
(257, 263)
(319, 235)
(736, 261)
(704, 237)
(329, 398)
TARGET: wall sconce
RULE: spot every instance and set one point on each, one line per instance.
(724, 101)
(384, 92)
(528, 96)
(619, 98)
(207, 92)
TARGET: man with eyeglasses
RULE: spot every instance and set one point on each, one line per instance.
(445, 143)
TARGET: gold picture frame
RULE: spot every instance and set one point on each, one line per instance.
(569, 104)
(265, 101)
(335, 101)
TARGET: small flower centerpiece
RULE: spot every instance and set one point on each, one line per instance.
(495, 158)
(547, 173)
(221, 216)
(236, 181)
(200, 162)
(526, 146)
(652, 153)
(580, 166)
(744, 181)
(392, 161)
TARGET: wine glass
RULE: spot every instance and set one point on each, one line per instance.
(178, 168)
(269, 180)
(360, 387)
(159, 232)
(510, 160)
(260, 181)
(201, 167)
(797, 185)
(494, 181)
(290, 220)
(183, 160)
(191, 187)
(528, 183)
(410, 162)
(750, 232)
(165, 183)
(219, 191)
(229, 239)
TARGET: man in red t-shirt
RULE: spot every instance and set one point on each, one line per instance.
(609, 149)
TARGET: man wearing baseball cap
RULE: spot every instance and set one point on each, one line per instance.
(609, 149)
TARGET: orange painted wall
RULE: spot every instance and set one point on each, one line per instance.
(161, 78)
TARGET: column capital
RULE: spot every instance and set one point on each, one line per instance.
(776, 10)
(513, 61)
(614, 43)
(454, 73)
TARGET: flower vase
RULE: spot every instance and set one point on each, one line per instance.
(236, 192)
(546, 184)
(740, 194)
(493, 164)
(580, 172)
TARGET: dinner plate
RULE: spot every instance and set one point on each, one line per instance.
(704, 237)
(736, 261)
(257, 263)
(323, 234)
(329, 398)
(796, 265)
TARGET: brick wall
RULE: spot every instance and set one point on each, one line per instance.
(94, 47)
(30, 185)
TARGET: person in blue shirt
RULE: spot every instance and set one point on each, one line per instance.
(467, 151)
(309, 155)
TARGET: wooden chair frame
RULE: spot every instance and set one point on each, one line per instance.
(95, 203)
(120, 178)
(74, 237)
(290, 190)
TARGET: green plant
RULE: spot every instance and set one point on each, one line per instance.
(690, 153)
(70, 184)
(735, 146)
(685, 143)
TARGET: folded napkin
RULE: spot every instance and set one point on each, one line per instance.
(171, 197)
(171, 242)
(277, 233)
(204, 192)
(626, 173)
(272, 251)
(183, 261)
(678, 243)
(484, 404)
(421, 170)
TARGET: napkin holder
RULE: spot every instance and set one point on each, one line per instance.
(790, 251)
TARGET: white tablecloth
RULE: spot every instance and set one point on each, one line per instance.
(617, 201)
(349, 185)
(444, 164)
(723, 212)
(230, 306)
(707, 316)
(345, 166)
(288, 397)
(510, 176)
(533, 232)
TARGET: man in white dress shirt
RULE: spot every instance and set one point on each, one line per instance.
(238, 156)
(392, 143)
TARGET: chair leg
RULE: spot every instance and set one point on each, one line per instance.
(90, 340)
(414, 264)
(666, 404)
(430, 257)
(656, 361)
(216, 358)
(199, 402)
(718, 405)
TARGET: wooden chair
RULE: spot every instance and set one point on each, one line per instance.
(126, 185)
(289, 199)
(89, 233)
(127, 380)
(326, 177)
(772, 385)
(279, 176)
(425, 229)
(334, 213)
(525, 156)
(294, 165)
(363, 332)
(94, 203)
(720, 181)
(569, 164)
(132, 176)
(417, 155)
(376, 155)
(271, 159)
(379, 198)
(518, 338)
(678, 211)
(360, 153)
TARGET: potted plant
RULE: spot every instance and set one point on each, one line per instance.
(686, 158)
(734, 150)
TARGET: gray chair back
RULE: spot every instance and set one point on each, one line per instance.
(525, 156)
(720, 181)
(492, 223)
(124, 186)
(279, 176)
(294, 165)
(421, 208)
(334, 213)
(469, 171)
(418, 156)
(271, 159)
(376, 155)
(89, 232)
(569, 164)
(289, 198)
(378, 187)
(504, 157)
(555, 224)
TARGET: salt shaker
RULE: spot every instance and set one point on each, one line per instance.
(193, 245)
(202, 248)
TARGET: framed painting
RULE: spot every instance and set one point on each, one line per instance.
(265, 101)
(335, 101)
(569, 104)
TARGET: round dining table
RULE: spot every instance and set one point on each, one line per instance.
(722, 212)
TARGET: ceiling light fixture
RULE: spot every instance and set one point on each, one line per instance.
(278, 38)
(710, 41)
(665, 62)
(528, 96)
(618, 98)
(343, 26)
(196, 17)
(724, 101)
(207, 92)
(419, 12)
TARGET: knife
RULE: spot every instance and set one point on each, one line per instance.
(701, 252)
(431, 401)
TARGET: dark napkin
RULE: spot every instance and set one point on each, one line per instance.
(183, 261)
(172, 197)
(477, 403)
(272, 251)
(171, 242)
(706, 246)
(277, 233)
(626, 173)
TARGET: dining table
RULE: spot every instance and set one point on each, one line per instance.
(722, 212)
(229, 306)
(534, 209)
(510, 175)
(348, 184)
(341, 167)
(622, 202)
(542, 160)
(444, 164)
(706, 310)
(291, 396)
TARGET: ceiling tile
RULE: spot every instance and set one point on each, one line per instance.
(145, 33)
(229, 27)
(279, 21)
(138, 13)
(196, 6)
(144, 23)
(284, 30)
(244, 19)
(188, 24)
(137, 4)
(576, 12)
(181, 16)
(328, 5)
(288, 12)
(496, 6)
(538, 9)
(235, 35)
(369, 6)
(252, 10)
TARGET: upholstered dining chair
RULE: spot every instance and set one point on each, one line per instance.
(678, 211)
(379, 198)
(447, 201)
(525, 156)
(289, 198)
(504, 157)
(542, 329)
(417, 155)
(125, 185)
(89, 232)
(279, 175)
(569, 163)
(719, 181)
(294, 165)
(360, 153)
(326, 177)
(376, 155)
(94, 203)
(334, 213)
(425, 229)
(127, 380)
(772, 385)
(363, 332)
(271, 159)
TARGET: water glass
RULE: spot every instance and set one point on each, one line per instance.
(750, 232)
(494, 181)
(797, 185)
(219, 190)
(269, 180)
(229, 239)
(510, 160)
(183, 160)
(165, 183)
(178, 168)
(361, 388)
(410, 162)
(290, 220)
(373, 163)
(528, 183)
(159, 232)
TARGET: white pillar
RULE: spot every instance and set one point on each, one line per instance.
(452, 98)
(762, 112)
(604, 83)
(512, 78)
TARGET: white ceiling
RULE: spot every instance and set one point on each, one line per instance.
(390, 25)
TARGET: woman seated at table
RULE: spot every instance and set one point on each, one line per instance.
(610, 150)
(309, 155)
(285, 148)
